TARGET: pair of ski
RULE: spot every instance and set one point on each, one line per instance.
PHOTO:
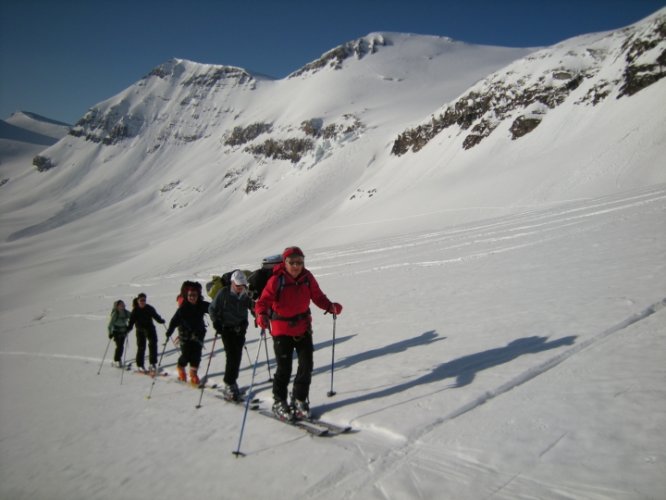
(143, 371)
(313, 425)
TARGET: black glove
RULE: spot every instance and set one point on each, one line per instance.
(111, 335)
(218, 327)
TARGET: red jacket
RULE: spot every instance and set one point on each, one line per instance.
(286, 301)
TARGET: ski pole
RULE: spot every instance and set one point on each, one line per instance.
(122, 371)
(332, 392)
(248, 354)
(172, 340)
(248, 398)
(205, 377)
(268, 362)
(104, 357)
(159, 364)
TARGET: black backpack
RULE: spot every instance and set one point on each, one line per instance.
(257, 280)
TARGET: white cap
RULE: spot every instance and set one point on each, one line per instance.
(239, 278)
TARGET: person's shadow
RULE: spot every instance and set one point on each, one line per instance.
(463, 369)
(425, 338)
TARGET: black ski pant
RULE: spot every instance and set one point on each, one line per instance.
(143, 335)
(190, 352)
(284, 347)
(119, 339)
(233, 339)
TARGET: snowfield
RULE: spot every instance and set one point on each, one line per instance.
(517, 357)
(504, 315)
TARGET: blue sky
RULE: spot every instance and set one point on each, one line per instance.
(60, 57)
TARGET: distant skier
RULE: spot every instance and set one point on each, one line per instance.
(142, 316)
(118, 329)
(229, 314)
(284, 309)
(189, 319)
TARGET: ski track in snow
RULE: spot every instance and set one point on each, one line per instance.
(50, 355)
(402, 449)
(532, 226)
(394, 450)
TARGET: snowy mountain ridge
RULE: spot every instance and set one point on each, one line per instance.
(200, 146)
(589, 68)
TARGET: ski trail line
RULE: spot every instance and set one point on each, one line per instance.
(543, 367)
(47, 355)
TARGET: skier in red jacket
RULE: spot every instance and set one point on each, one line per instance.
(284, 309)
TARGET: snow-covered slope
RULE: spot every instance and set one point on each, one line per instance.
(22, 136)
(504, 302)
(32, 123)
(517, 357)
(201, 147)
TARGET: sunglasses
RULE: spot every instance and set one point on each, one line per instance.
(295, 262)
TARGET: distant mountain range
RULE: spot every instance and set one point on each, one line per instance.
(31, 128)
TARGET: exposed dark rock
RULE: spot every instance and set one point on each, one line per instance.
(288, 149)
(335, 57)
(43, 163)
(523, 125)
(214, 76)
(243, 135)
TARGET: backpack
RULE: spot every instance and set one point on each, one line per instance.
(257, 279)
(185, 287)
(217, 283)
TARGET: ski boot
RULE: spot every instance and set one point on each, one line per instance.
(301, 410)
(282, 411)
(194, 377)
(182, 376)
(231, 392)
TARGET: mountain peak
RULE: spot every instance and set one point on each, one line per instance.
(24, 126)
(200, 73)
(23, 116)
(334, 58)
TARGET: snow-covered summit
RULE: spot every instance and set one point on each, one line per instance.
(28, 127)
(583, 71)
(202, 145)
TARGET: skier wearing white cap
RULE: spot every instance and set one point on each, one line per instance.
(229, 313)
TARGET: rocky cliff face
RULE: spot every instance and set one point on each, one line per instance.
(122, 118)
(586, 69)
(334, 58)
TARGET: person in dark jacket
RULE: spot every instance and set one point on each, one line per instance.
(118, 330)
(284, 309)
(229, 314)
(142, 316)
(189, 319)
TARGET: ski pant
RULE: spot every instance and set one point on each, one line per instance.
(143, 335)
(190, 352)
(233, 339)
(284, 347)
(119, 339)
